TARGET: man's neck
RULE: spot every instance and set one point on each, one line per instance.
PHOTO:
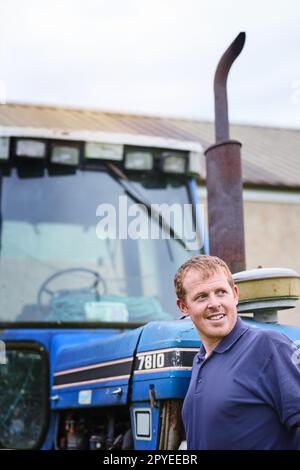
(209, 346)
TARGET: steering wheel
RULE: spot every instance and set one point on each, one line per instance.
(44, 289)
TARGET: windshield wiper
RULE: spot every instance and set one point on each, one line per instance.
(139, 198)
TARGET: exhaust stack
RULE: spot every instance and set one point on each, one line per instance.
(224, 176)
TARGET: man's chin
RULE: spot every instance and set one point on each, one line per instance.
(217, 330)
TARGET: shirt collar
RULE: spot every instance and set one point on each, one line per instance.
(238, 330)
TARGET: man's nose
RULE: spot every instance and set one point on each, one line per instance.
(213, 301)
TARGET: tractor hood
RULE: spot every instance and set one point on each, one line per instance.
(97, 372)
(94, 371)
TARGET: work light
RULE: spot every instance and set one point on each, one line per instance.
(101, 151)
(64, 154)
(30, 148)
(173, 162)
(4, 148)
(138, 160)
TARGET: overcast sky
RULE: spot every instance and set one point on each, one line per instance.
(153, 56)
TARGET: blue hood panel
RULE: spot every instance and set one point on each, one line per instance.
(94, 372)
(164, 360)
(97, 372)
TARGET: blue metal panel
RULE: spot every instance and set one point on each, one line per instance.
(177, 333)
(101, 367)
(100, 395)
(144, 442)
(169, 378)
(80, 353)
(60, 340)
(164, 385)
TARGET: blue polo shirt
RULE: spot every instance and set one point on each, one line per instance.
(245, 395)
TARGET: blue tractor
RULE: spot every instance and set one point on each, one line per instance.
(93, 352)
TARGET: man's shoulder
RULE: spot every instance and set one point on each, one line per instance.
(267, 346)
(267, 337)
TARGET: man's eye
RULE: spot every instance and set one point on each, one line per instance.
(200, 298)
(221, 292)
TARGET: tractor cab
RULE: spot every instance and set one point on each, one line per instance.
(91, 234)
(91, 231)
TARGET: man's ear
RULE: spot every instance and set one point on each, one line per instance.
(182, 307)
(236, 294)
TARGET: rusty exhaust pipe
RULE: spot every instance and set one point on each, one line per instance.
(224, 176)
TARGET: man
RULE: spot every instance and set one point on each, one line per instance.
(245, 388)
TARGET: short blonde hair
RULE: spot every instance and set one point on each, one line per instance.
(206, 265)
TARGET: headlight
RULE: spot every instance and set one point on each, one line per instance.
(30, 148)
(65, 155)
(173, 162)
(138, 160)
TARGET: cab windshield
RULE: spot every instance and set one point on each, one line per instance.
(65, 256)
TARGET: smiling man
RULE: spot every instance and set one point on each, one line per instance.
(245, 388)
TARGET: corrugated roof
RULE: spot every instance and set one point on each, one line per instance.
(270, 156)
